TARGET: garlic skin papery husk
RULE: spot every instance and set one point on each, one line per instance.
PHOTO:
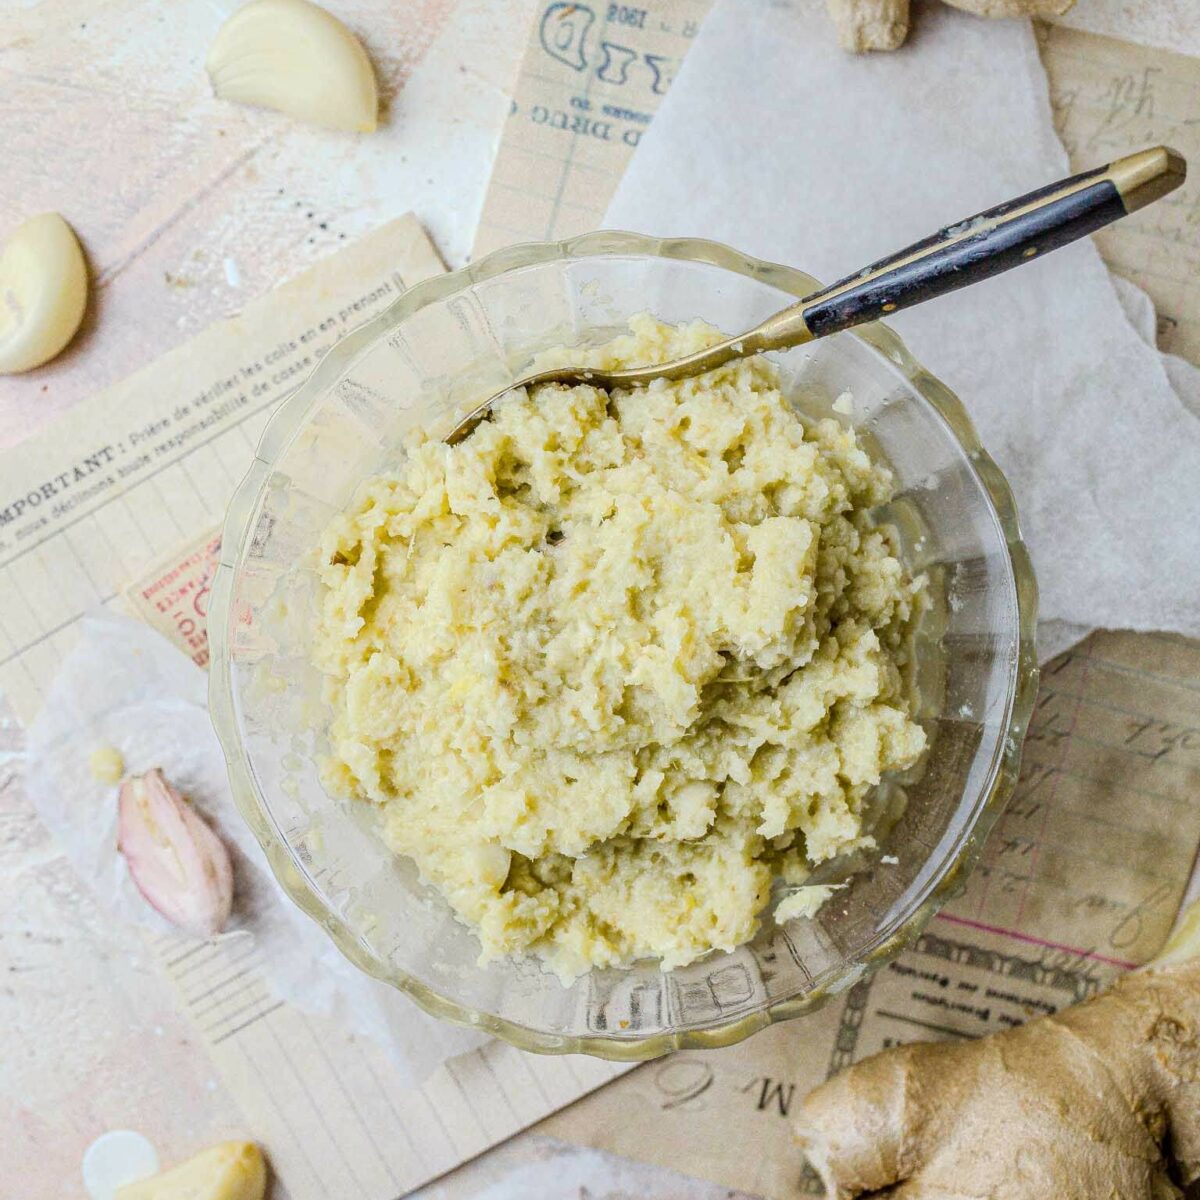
(43, 292)
(295, 58)
(177, 861)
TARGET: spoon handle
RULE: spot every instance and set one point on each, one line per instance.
(981, 246)
(961, 254)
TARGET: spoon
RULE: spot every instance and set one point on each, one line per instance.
(964, 253)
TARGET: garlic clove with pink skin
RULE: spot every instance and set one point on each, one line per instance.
(178, 863)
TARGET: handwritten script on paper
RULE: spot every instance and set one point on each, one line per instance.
(1080, 880)
(1091, 855)
(1110, 98)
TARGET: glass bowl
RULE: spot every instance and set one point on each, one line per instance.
(434, 353)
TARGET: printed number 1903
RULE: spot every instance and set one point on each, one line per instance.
(623, 14)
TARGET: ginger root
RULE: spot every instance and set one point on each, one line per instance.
(1014, 8)
(1101, 1100)
(870, 24)
(883, 24)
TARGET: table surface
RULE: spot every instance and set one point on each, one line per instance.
(187, 209)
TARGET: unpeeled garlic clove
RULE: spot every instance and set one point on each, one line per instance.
(176, 860)
(298, 59)
(229, 1171)
(43, 292)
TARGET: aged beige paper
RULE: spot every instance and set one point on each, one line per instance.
(592, 77)
(118, 504)
(149, 465)
(1111, 97)
(1080, 880)
(327, 1106)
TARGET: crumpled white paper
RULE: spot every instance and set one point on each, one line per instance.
(775, 142)
(126, 686)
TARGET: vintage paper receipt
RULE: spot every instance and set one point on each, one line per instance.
(1081, 879)
(172, 596)
(591, 80)
(92, 506)
(1109, 96)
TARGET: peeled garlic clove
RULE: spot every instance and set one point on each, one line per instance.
(43, 292)
(296, 58)
(178, 863)
(230, 1171)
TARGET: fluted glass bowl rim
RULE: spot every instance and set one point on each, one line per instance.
(290, 416)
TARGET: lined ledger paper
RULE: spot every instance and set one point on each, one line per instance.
(134, 473)
(1092, 855)
(326, 1104)
(591, 80)
(115, 505)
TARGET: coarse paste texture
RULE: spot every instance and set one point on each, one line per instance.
(615, 662)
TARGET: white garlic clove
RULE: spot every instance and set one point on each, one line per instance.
(176, 860)
(43, 292)
(229, 1171)
(294, 57)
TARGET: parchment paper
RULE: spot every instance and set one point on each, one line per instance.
(829, 162)
(587, 88)
(124, 685)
